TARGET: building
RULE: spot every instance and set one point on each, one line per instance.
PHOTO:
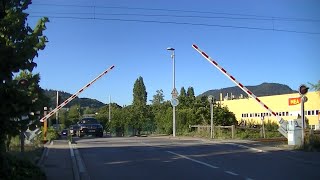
(287, 106)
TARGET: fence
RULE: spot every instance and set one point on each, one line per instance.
(232, 127)
(199, 127)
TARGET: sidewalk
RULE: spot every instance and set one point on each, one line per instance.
(57, 162)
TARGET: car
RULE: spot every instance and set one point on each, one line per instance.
(73, 129)
(89, 126)
(64, 132)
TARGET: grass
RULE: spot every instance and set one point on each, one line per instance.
(16, 165)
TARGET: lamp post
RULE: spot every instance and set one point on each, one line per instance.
(174, 93)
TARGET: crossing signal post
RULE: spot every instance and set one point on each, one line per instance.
(303, 90)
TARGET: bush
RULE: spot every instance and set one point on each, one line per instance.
(13, 168)
(312, 143)
(52, 134)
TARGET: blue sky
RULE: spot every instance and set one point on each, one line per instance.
(84, 41)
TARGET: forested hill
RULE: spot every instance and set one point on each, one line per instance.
(264, 89)
(83, 102)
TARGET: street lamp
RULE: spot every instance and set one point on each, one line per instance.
(174, 101)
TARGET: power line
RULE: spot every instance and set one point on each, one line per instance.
(257, 17)
(180, 23)
(158, 15)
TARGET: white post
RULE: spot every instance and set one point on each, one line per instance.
(57, 104)
(174, 87)
(211, 109)
(303, 120)
(109, 108)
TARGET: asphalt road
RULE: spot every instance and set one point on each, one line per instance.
(168, 158)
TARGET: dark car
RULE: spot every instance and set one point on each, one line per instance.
(64, 132)
(90, 126)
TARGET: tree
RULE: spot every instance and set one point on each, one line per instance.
(316, 86)
(183, 92)
(190, 92)
(139, 92)
(19, 45)
(158, 98)
(29, 99)
(74, 115)
(138, 110)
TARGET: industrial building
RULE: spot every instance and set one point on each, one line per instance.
(287, 106)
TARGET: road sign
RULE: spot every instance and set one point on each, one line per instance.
(303, 89)
(174, 93)
(174, 102)
(211, 99)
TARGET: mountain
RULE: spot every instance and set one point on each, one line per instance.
(83, 102)
(264, 89)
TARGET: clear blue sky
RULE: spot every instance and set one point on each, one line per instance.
(80, 49)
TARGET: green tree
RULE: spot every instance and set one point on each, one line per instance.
(190, 92)
(29, 101)
(316, 86)
(19, 45)
(103, 115)
(158, 98)
(89, 110)
(139, 92)
(183, 92)
(74, 115)
(138, 111)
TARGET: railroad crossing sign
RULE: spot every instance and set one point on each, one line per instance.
(174, 93)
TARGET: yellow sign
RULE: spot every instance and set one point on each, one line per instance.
(294, 101)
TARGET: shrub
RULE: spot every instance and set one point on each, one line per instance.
(13, 168)
(312, 143)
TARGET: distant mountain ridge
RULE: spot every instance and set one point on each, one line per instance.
(264, 89)
(83, 102)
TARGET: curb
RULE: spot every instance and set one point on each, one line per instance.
(45, 153)
(76, 174)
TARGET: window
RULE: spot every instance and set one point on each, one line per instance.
(287, 113)
(309, 113)
(312, 112)
(317, 112)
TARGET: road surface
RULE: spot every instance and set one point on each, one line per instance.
(173, 158)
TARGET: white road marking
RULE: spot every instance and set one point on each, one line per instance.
(247, 147)
(232, 173)
(199, 162)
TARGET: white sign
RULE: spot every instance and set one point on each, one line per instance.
(174, 93)
(174, 102)
(210, 99)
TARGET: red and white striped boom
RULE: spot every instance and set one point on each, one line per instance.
(283, 124)
(75, 94)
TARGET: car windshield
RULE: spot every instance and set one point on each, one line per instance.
(88, 121)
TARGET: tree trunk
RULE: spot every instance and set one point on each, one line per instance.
(22, 141)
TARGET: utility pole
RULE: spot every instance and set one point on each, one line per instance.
(57, 104)
(109, 108)
(211, 100)
(303, 90)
